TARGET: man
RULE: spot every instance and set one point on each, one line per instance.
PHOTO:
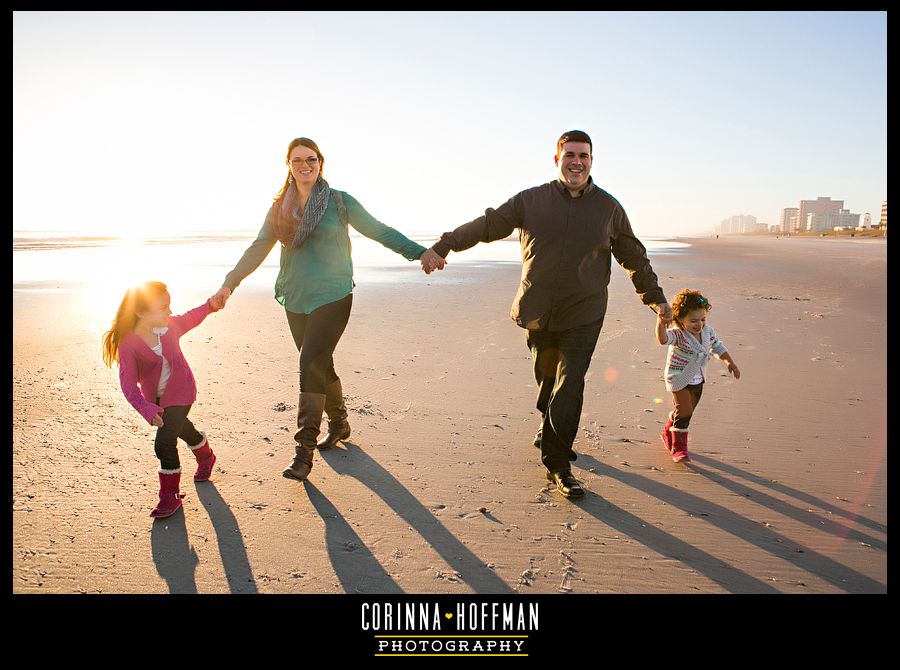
(568, 229)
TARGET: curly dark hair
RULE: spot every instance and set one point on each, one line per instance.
(687, 300)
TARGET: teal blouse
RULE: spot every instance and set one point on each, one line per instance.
(321, 271)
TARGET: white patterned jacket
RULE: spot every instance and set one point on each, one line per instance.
(686, 357)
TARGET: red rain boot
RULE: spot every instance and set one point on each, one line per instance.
(666, 435)
(169, 496)
(680, 445)
(206, 459)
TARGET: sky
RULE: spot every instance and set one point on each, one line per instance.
(147, 124)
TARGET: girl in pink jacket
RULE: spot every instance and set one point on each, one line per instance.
(158, 382)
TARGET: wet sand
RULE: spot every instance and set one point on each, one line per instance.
(439, 489)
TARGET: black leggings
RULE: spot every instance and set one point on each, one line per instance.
(316, 336)
(175, 425)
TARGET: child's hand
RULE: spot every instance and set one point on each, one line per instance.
(664, 310)
(733, 369)
(215, 302)
(219, 298)
(157, 421)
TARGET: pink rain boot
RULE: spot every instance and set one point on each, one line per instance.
(206, 459)
(666, 435)
(169, 496)
(680, 445)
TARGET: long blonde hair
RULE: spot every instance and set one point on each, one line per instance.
(137, 299)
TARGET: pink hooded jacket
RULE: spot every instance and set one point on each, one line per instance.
(140, 368)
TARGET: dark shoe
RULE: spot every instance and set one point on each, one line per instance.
(336, 410)
(538, 437)
(336, 432)
(309, 421)
(566, 483)
(301, 466)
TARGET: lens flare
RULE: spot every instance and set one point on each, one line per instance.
(611, 375)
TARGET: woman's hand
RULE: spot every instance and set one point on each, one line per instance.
(431, 261)
(218, 300)
(157, 421)
(733, 369)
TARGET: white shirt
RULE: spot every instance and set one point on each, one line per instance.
(166, 370)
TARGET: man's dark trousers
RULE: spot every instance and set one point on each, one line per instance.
(561, 360)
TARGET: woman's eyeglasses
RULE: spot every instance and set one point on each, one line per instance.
(312, 161)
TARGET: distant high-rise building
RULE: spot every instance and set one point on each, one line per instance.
(830, 221)
(883, 222)
(867, 220)
(789, 219)
(734, 225)
(818, 206)
(741, 222)
(750, 227)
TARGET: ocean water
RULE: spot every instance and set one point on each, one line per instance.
(44, 261)
(91, 274)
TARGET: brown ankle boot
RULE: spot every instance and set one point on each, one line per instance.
(338, 427)
(309, 421)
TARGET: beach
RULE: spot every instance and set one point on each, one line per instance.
(439, 489)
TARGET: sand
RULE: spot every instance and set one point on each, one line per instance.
(439, 489)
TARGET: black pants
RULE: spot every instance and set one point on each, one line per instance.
(316, 335)
(685, 401)
(561, 360)
(175, 425)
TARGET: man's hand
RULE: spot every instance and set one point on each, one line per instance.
(431, 261)
(157, 421)
(664, 310)
(218, 300)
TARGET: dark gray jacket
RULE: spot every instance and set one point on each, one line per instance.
(567, 244)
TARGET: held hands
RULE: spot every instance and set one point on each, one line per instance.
(431, 261)
(218, 300)
(664, 312)
(662, 320)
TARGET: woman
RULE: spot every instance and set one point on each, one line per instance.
(315, 284)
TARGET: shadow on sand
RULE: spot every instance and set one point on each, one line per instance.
(174, 557)
(730, 578)
(356, 463)
(356, 567)
(765, 538)
(787, 509)
(228, 535)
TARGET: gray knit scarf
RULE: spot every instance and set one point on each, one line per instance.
(291, 227)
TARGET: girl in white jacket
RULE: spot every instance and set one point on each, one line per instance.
(691, 344)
